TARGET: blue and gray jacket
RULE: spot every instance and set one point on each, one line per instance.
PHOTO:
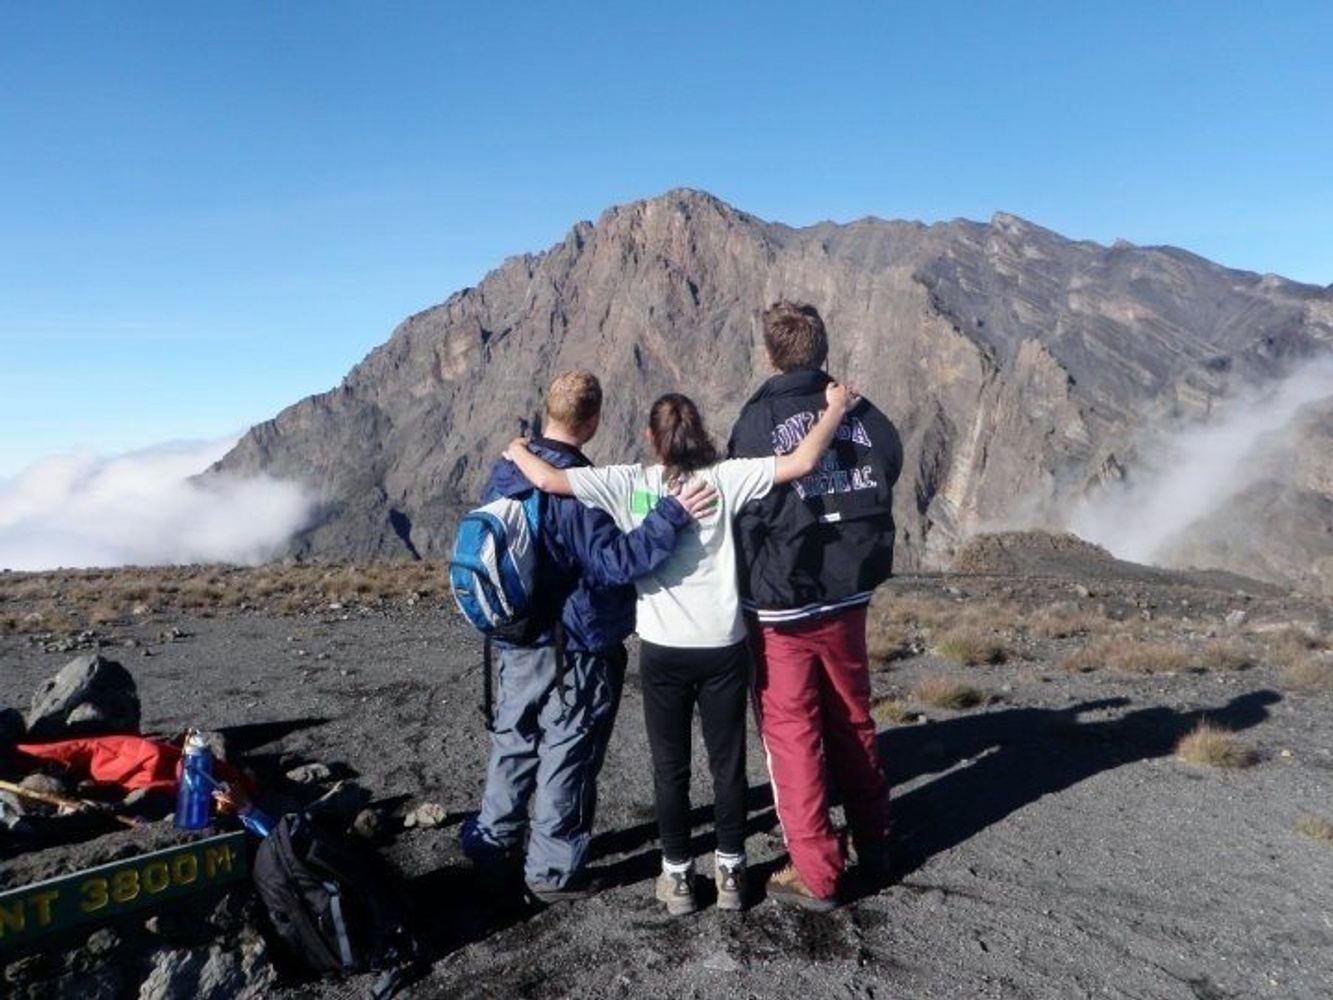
(587, 567)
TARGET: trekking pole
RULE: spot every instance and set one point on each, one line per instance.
(65, 802)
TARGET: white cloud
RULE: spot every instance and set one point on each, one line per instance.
(143, 508)
(1191, 472)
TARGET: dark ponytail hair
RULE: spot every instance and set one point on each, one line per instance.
(679, 437)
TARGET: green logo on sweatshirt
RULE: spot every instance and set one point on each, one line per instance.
(642, 502)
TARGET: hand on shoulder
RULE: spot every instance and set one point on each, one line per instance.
(841, 397)
(514, 446)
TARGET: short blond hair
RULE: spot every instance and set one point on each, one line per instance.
(573, 399)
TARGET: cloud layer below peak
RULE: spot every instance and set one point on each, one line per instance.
(144, 508)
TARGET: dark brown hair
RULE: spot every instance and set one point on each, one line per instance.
(679, 437)
(795, 336)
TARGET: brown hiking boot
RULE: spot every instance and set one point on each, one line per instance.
(677, 891)
(730, 884)
(788, 887)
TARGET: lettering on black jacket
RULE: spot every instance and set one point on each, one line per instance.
(828, 537)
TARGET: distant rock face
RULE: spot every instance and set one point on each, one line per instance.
(1021, 367)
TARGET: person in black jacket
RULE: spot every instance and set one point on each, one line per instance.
(809, 556)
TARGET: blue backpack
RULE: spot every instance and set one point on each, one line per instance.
(493, 569)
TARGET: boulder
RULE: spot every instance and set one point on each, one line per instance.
(214, 973)
(90, 696)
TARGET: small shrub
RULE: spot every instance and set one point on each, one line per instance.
(1083, 660)
(886, 643)
(1214, 746)
(1292, 645)
(1128, 655)
(919, 612)
(1310, 674)
(1226, 655)
(1063, 622)
(890, 712)
(941, 692)
(971, 647)
(1316, 828)
(103, 614)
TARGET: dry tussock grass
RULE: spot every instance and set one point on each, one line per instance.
(1311, 674)
(1130, 655)
(886, 642)
(917, 612)
(891, 712)
(971, 646)
(69, 600)
(1226, 655)
(1214, 746)
(1316, 828)
(943, 692)
(1064, 623)
(1291, 645)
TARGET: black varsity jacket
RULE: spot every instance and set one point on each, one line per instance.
(824, 542)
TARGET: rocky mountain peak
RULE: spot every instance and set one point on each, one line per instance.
(1018, 364)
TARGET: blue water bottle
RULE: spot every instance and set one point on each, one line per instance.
(194, 791)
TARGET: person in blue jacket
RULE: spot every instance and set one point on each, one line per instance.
(556, 699)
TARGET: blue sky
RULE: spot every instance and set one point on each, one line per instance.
(209, 211)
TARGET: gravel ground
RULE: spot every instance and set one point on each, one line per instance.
(1048, 843)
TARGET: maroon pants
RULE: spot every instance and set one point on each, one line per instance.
(812, 693)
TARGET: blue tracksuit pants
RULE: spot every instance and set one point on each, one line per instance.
(550, 730)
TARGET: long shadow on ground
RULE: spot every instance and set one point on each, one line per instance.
(1020, 755)
(1016, 757)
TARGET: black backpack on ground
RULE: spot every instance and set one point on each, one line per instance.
(332, 901)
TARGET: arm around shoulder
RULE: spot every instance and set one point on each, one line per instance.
(805, 459)
(542, 474)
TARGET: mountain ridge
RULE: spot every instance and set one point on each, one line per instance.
(1022, 367)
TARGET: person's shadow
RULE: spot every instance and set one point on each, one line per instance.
(1019, 755)
(1016, 756)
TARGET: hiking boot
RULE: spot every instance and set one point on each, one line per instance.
(551, 894)
(579, 887)
(676, 889)
(788, 887)
(730, 883)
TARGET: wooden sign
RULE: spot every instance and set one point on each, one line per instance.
(33, 911)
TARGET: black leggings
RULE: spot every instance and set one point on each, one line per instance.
(674, 679)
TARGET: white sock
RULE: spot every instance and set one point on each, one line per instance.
(729, 860)
(676, 867)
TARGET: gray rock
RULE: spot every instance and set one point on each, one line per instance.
(721, 961)
(242, 971)
(12, 813)
(173, 973)
(1237, 618)
(309, 774)
(368, 824)
(102, 940)
(426, 816)
(47, 784)
(89, 696)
